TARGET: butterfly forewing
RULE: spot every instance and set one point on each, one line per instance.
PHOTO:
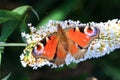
(82, 39)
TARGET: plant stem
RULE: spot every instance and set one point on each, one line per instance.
(13, 44)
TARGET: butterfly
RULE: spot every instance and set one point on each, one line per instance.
(57, 45)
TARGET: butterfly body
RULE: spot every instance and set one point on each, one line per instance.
(74, 41)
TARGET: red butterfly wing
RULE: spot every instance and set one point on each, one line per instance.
(48, 50)
(60, 54)
(78, 37)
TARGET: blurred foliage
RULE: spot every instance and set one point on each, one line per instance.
(6, 78)
(104, 68)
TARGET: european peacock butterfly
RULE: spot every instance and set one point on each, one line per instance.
(57, 45)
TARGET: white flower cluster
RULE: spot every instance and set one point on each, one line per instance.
(109, 40)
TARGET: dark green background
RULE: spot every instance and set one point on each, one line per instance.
(104, 68)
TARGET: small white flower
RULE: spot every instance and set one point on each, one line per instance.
(29, 40)
(32, 29)
(23, 34)
(24, 64)
(29, 24)
(22, 56)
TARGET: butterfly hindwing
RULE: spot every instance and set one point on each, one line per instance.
(60, 54)
(47, 50)
(74, 49)
(79, 40)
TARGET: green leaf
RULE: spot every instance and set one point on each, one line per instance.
(9, 21)
(6, 78)
(13, 19)
(112, 72)
(72, 65)
(24, 27)
(23, 10)
(6, 15)
(59, 13)
(55, 15)
(7, 28)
